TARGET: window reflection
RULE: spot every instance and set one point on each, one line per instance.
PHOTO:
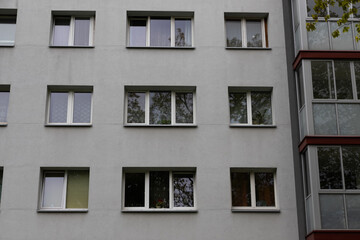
(254, 33)
(159, 190)
(160, 32)
(136, 107)
(184, 108)
(261, 107)
(160, 107)
(183, 190)
(329, 168)
(183, 32)
(233, 34)
(238, 108)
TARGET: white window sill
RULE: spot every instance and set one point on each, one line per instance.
(255, 210)
(75, 210)
(3, 124)
(68, 125)
(162, 125)
(161, 210)
(251, 126)
(159, 47)
(52, 46)
(247, 48)
(7, 45)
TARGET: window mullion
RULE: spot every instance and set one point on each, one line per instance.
(243, 31)
(147, 189)
(173, 108)
(172, 32)
(252, 189)
(147, 107)
(148, 32)
(63, 205)
(248, 103)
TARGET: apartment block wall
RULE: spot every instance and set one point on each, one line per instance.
(212, 147)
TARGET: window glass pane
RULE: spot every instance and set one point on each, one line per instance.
(336, 11)
(345, 40)
(183, 190)
(349, 115)
(325, 119)
(357, 76)
(1, 177)
(233, 34)
(58, 107)
(137, 35)
(351, 162)
(159, 190)
(238, 108)
(322, 80)
(136, 107)
(134, 189)
(343, 80)
(160, 32)
(7, 30)
(307, 185)
(182, 32)
(254, 33)
(184, 108)
(82, 31)
(4, 103)
(332, 212)
(61, 31)
(329, 168)
(310, 9)
(357, 5)
(261, 108)
(160, 107)
(319, 39)
(300, 87)
(353, 211)
(82, 108)
(264, 184)
(53, 190)
(77, 189)
(240, 189)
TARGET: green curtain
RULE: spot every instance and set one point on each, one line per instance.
(77, 189)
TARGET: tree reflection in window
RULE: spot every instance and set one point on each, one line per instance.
(329, 168)
(184, 108)
(183, 190)
(160, 107)
(136, 108)
(238, 107)
(261, 107)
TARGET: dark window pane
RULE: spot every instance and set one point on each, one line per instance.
(183, 32)
(322, 80)
(82, 32)
(58, 107)
(238, 108)
(160, 32)
(264, 184)
(332, 212)
(254, 33)
(310, 9)
(351, 162)
(183, 190)
(1, 177)
(261, 108)
(306, 173)
(159, 190)
(233, 34)
(357, 76)
(4, 103)
(357, 6)
(353, 211)
(136, 108)
(240, 189)
(134, 189)
(325, 119)
(137, 37)
(343, 80)
(82, 108)
(61, 31)
(184, 108)
(329, 168)
(160, 107)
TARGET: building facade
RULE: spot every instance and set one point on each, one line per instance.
(145, 120)
(328, 93)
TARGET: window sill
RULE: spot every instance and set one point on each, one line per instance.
(7, 46)
(251, 126)
(159, 211)
(3, 124)
(151, 47)
(62, 210)
(255, 210)
(68, 125)
(163, 126)
(247, 48)
(51, 46)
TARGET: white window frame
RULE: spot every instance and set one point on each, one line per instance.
(253, 190)
(249, 108)
(173, 108)
(64, 193)
(171, 193)
(244, 32)
(70, 109)
(172, 31)
(72, 31)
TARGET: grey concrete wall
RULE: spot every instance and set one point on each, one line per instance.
(106, 147)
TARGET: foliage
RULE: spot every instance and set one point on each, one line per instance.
(349, 7)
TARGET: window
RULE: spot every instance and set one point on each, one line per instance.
(253, 188)
(73, 30)
(249, 107)
(160, 31)
(65, 189)
(336, 97)
(4, 103)
(7, 30)
(339, 194)
(70, 107)
(246, 30)
(159, 190)
(160, 107)
(1, 180)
